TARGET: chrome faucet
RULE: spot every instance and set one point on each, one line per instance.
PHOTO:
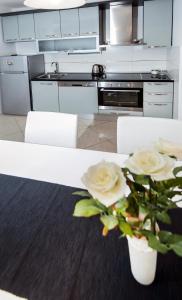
(56, 65)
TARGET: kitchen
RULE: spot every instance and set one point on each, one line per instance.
(72, 44)
(90, 149)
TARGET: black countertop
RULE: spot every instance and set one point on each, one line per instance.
(145, 77)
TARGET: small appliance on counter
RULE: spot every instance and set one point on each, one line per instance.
(160, 74)
(98, 70)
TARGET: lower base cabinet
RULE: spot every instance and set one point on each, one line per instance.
(45, 96)
(158, 99)
(78, 100)
(158, 110)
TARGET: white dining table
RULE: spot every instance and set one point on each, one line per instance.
(52, 164)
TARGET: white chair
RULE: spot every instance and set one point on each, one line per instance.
(7, 296)
(136, 132)
(49, 128)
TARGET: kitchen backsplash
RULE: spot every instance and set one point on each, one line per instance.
(116, 59)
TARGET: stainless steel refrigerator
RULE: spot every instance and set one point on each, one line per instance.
(16, 73)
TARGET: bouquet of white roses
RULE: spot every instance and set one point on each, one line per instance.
(137, 197)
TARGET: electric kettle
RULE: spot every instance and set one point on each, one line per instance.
(98, 69)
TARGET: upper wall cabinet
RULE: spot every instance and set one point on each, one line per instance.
(89, 20)
(10, 28)
(158, 22)
(26, 27)
(69, 22)
(47, 25)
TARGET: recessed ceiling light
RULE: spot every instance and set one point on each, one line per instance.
(54, 4)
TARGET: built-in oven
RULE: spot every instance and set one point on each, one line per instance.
(121, 97)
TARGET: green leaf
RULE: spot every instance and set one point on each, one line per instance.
(133, 208)
(163, 217)
(125, 228)
(177, 170)
(176, 182)
(169, 238)
(177, 248)
(121, 205)
(82, 194)
(109, 221)
(156, 244)
(86, 208)
(141, 179)
(165, 236)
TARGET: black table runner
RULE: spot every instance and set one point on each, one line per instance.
(47, 254)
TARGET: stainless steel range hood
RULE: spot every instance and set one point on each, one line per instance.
(126, 23)
(120, 23)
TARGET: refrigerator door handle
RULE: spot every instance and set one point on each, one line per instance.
(13, 72)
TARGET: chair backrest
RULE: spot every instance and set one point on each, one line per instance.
(49, 128)
(7, 296)
(138, 132)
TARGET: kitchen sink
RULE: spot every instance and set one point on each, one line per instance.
(52, 76)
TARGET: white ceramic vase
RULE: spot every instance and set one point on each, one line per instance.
(143, 260)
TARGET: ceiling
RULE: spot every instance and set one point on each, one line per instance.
(17, 5)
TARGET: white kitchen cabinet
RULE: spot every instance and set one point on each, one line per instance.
(158, 99)
(45, 96)
(78, 99)
(158, 109)
(47, 25)
(26, 27)
(10, 29)
(89, 20)
(158, 22)
(69, 23)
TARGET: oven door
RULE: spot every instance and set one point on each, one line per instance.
(126, 100)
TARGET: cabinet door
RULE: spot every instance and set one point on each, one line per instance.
(69, 22)
(158, 110)
(15, 93)
(78, 100)
(89, 20)
(45, 96)
(10, 28)
(158, 22)
(47, 25)
(26, 27)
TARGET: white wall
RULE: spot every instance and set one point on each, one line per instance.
(177, 23)
(116, 59)
(174, 64)
(5, 49)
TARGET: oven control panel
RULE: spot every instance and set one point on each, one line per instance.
(114, 84)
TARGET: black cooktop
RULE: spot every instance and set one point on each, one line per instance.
(121, 77)
(134, 77)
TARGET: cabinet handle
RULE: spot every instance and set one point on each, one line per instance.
(158, 94)
(27, 39)
(89, 33)
(51, 35)
(70, 34)
(9, 63)
(158, 104)
(46, 83)
(155, 46)
(157, 83)
(11, 40)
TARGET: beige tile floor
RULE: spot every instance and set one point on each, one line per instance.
(94, 132)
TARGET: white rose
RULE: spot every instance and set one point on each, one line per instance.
(169, 148)
(105, 182)
(149, 162)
